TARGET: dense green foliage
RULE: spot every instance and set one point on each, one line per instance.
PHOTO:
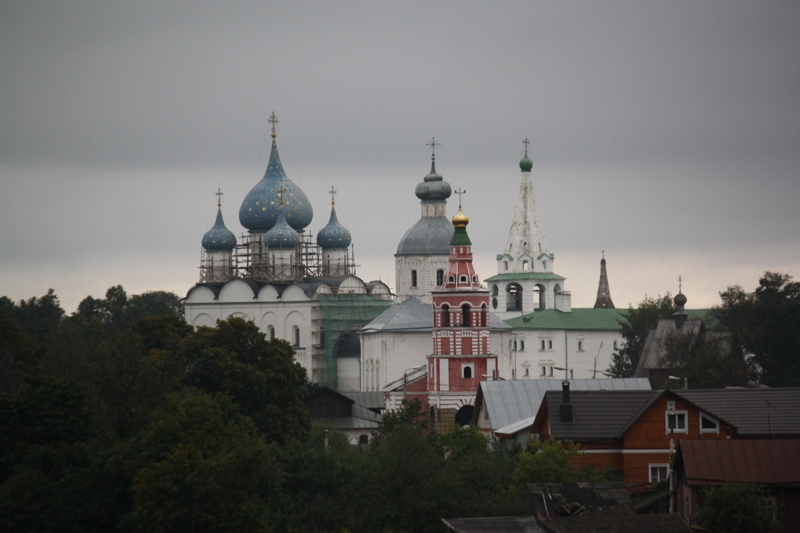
(736, 508)
(121, 417)
(640, 320)
(766, 324)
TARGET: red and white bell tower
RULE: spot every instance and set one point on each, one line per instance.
(461, 356)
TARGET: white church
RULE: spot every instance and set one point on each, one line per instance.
(354, 335)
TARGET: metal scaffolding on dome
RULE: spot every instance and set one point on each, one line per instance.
(342, 314)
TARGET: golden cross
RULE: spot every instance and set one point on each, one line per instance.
(273, 120)
(219, 197)
(281, 190)
(333, 195)
(459, 192)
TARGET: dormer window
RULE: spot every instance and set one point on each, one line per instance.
(708, 424)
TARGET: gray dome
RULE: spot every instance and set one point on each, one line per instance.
(433, 187)
(430, 235)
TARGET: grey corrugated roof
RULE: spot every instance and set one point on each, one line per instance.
(362, 418)
(753, 411)
(413, 315)
(369, 399)
(768, 461)
(430, 235)
(511, 401)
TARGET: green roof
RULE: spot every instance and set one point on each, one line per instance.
(578, 319)
(516, 276)
(582, 318)
(460, 237)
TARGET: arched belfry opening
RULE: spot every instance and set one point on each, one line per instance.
(514, 297)
(539, 297)
(465, 318)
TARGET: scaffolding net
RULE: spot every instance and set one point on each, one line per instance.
(342, 314)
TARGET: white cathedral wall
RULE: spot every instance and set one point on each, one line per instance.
(564, 353)
(426, 267)
(348, 374)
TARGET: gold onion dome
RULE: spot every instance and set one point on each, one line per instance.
(460, 220)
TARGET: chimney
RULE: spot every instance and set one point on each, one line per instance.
(566, 407)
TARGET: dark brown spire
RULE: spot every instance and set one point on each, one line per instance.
(603, 292)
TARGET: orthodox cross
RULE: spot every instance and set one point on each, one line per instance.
(680, 282)
(459, 192)
(333, 195)
(526, 142)
(433, 144)
(281, 190)
(273, 120)
(219, 197)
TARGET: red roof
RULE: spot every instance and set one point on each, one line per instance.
(769, 461)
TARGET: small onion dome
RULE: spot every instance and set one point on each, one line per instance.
(680, 300)
(526, 164)
(460, 220)
(334, 235)
(281, 236)
(260, 208)
(219, 237)
(433, 188)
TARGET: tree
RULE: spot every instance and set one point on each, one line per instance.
(637, 325)
(735, 508)
(554, 461)
(707, 359)
(235, 358)
(205, 468)
(766, 323)
(409, 414)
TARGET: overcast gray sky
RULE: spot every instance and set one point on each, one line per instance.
(665, 133)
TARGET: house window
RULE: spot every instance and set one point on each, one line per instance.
(337, 408)
(296, 331)
(439, 278)
(676, 420)
(658, 473)
(413, 278)
(708, 424)
(466, 371)
(770, 506)
(363, 439)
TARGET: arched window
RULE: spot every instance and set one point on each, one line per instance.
(271, 330)
(439, 278)
(451, 279)
(462, 279)
(413, 278)
(465, 321)
(514, 297)
(505, 265)
(445, 316)
(467, 371)
(539, 299)
(544, 264)
(484, 316)
(363, 439)
(296, 334)
(525, 265)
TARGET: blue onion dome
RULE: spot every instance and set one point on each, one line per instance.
(433, 188)
(259, 211)
(219, 238)
(334, 235)
(281, 236)
(525, 165)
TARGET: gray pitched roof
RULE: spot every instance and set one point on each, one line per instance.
(369, 399)
(509, 402)
(654, 346)
(362, 418)
(414, 315)
(597, 415)
(753, 411)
